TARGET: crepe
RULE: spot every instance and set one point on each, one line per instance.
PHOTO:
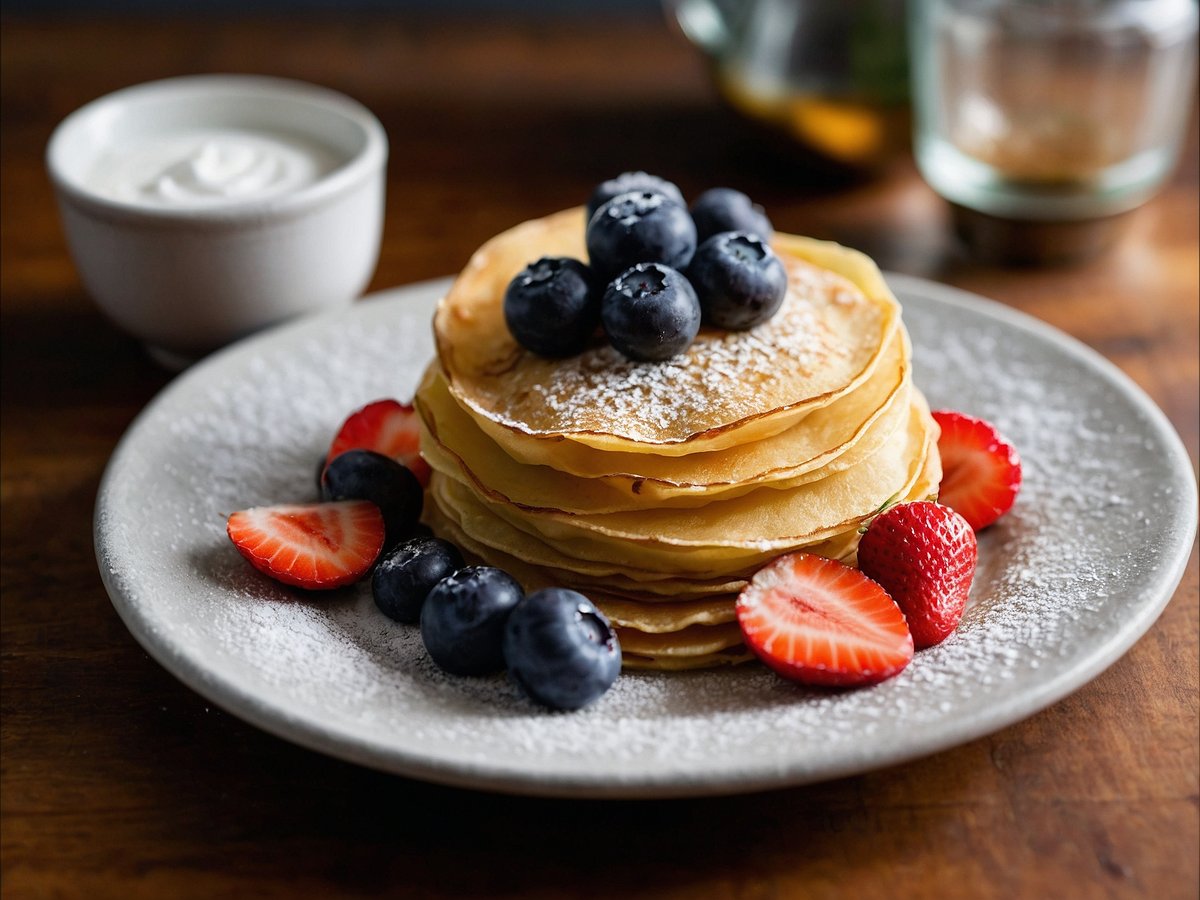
(728, 389)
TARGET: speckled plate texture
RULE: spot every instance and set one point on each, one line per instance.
(1067, 582)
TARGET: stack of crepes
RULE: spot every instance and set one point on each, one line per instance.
(659, 488)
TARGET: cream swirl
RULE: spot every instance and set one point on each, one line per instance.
(212, 167)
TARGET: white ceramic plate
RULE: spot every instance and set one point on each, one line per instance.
(1067, 581)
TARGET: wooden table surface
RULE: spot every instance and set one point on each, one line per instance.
(118, 781)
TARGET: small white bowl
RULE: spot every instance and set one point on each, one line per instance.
(187, 272)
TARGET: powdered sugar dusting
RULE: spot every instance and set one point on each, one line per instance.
(648, 395)
(1079, 566)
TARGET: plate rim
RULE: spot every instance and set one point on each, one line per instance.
(278, 721)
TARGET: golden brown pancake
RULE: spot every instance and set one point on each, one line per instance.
(729, 388)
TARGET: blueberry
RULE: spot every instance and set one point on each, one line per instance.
(640, 226)
(404, 577)
(632, 181)
(462, 621)
(552, 306)
(367, 475)
(650, 312)
(724, 209)
(739, 280)
(560, 649)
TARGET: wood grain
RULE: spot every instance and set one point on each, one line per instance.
(119, 782)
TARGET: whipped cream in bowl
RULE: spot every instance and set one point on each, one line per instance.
(203, 208)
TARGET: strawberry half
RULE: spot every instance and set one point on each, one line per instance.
(981, 470)
(315, 546)
(923, 554)
(388, 427)
(818, 621)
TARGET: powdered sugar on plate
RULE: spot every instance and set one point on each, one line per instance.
(1067, 581)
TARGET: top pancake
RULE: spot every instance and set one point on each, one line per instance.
(728, 389)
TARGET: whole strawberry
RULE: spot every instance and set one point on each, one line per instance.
(923, 554)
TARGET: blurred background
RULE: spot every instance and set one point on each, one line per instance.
(501, 111)
(481, 63)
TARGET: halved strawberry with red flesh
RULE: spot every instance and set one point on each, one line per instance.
(981, 470)
(388, 427)
(317, 546)
(923, 554)
(818, 621)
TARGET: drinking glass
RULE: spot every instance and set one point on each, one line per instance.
(1050, 111)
